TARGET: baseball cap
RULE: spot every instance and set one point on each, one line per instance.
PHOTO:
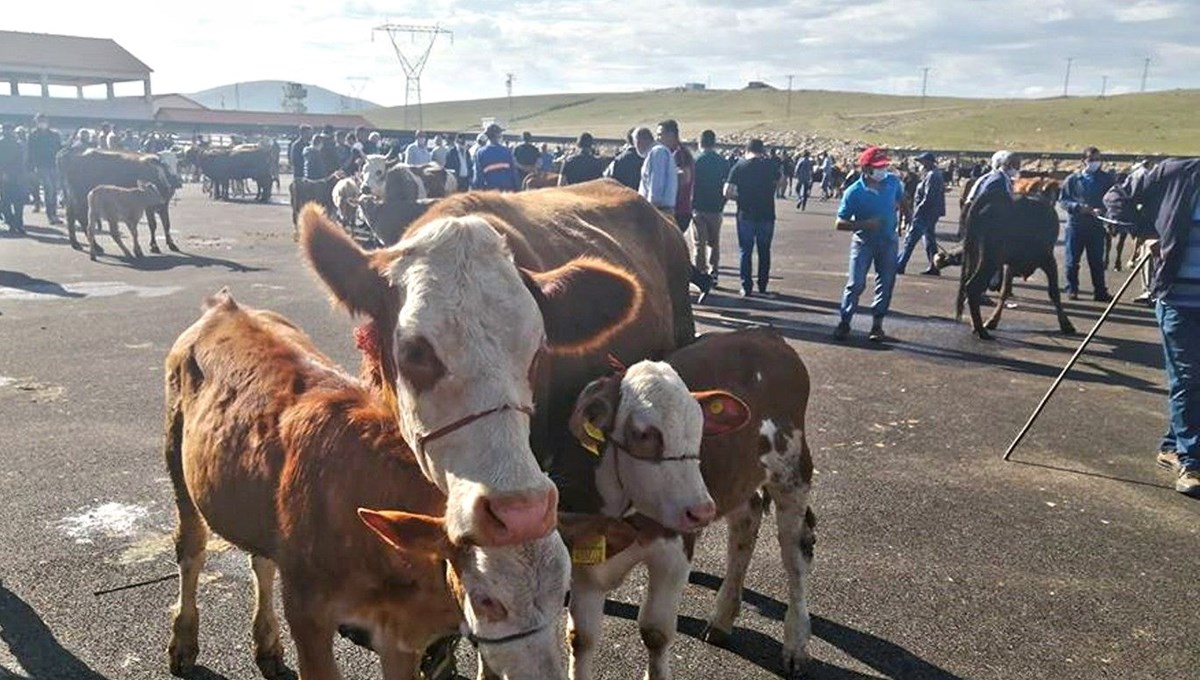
(493, 129)
(925, 156)
(873, 157)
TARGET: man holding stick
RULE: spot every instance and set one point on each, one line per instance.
(1170, 196)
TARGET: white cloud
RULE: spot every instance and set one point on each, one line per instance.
(979, 48)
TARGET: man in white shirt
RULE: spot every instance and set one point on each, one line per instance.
(660, 179)
(417, 153)
(440, 150)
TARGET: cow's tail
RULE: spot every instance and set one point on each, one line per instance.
(971, 254)
(178, 374)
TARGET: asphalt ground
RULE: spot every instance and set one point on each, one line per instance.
(934, 558)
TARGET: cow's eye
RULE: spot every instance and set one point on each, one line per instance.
(418, 363)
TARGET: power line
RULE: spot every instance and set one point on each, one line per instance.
(924, 83)
(1145, 72)
(789, 96)
(413, 67)
(1067, 79)
(508, 84)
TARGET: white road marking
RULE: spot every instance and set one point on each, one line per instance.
(109, 520)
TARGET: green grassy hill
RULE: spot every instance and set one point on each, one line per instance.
(1155, 122)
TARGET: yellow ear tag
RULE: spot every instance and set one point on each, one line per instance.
(716, 407)
(592, 446)
(589, 552)
(593, 431)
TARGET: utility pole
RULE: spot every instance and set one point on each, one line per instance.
(1103, 85)
(789, 98)
(1067, 79)
(413, 67)
(924, 84)
(508, 82)
(357, 83)
(1145, 72)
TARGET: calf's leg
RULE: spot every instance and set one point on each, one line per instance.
(795, 532)
(1005, 292)
(191, 539)
(742, 526)
(90, 232)
(133, 233)
(585, 625)
(1050, 266)
(312, 630)
(268, 653)
(114, 231)
(667, 569)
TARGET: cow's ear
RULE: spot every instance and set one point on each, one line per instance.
(595, 410)
(408, 533)
(723, 412)
(584, 303)
(355, 277)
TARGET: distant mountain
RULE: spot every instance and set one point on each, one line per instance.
(267, 95)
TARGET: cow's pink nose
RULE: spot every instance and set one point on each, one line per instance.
(699, 515)
(506, 519)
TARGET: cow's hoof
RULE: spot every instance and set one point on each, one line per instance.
(183, 658)
(716, 637)
(154, 248)
(1069, 330)
(76, 246)
(172, 247)
(795, 662)
(273, 667)
(984, 335)
(137, 254)
(991, 324)
(92, 256)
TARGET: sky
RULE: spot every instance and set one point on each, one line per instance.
(974, 48)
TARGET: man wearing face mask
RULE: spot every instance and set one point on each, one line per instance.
(1083, 200)
(869, 209)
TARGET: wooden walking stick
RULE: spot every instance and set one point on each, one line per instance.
(1091, 334)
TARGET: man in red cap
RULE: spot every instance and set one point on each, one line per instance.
(869, 209)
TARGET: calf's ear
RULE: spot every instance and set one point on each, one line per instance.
(723, 412)
(595, 410)
(584, 303)
(409, 533)
(355, 277)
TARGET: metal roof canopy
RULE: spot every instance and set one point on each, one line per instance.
(66, 60)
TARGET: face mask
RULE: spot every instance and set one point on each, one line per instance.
(1012, 173)
(878, 174)
(43, 126)
(1091, 166)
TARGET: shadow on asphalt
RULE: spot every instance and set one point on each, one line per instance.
(9, 279)
(156, 263)
(765, 652)
(1088, 473)
(39, 234)
(34, 647)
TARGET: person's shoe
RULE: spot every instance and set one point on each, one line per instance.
(746, 293)
(877, 334)
(1143, 299)
(762, 289)
(900, 272)
(931, 272)
(1188, 483)
(842, 331)
(1168, 460)
(1103, 297)
(1073, 295)
(56, 222)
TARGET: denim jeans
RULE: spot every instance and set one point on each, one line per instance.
(48, 178)
(1181, 345)
(803, 187)
(752, 234)
(1081, 238)
(921, 226)
(877, 248)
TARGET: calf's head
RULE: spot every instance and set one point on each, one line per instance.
(511, 597)
(646, 428)
(457, 329)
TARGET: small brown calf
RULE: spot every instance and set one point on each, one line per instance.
(271, 446)
(115, 204)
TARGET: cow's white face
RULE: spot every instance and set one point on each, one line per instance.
(651, 459)
(374, 172)
(516, 592)
(466, 337)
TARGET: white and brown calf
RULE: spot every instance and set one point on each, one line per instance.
(744, 468)
(272, 447)
(115, 205)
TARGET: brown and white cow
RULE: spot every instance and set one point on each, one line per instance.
(743, 468)
(398, 181)
(462, 305)
(272, 447)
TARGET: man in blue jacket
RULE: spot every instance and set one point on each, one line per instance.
(1083, 200)
(495, 167)
(1169, 196)
(929, 205)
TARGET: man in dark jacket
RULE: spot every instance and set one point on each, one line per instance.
(1169, 197)
(526, 155)
(626, 168)
(13, 189)
(583, 165)
(929, 205)
(296, 151)
(708, 204)
(315, 166)
(1083, 200)
(44, 145)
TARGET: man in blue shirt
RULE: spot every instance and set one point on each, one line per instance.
(869, 209)
(929, 205)
(1169, 197)
(1083, 200)
(495, 167)
(804, 177)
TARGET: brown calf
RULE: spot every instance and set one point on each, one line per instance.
(114, 204)
(744, 469)
(272, 447)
